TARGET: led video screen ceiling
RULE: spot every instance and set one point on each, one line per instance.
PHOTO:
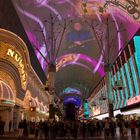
(87, 35)
(36, 11)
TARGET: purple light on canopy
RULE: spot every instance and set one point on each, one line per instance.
(41, 48)
(45, 4)
(72, 59)
(34, 18)
(75, 100)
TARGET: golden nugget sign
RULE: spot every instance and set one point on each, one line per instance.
(18, 59)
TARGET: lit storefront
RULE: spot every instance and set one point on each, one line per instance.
(33, 109)
(17, 78)
(125, 71)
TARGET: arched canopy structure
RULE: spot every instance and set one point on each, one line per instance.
(80, 58)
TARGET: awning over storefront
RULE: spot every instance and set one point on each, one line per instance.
(6, 95)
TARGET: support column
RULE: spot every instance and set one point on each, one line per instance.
(16, 117)
(11, 112)
(51, 81)
(51, 76)
(107, 69)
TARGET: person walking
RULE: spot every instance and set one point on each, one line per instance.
(10, 126)
(106, 130)
(2, 124)
(20, 129)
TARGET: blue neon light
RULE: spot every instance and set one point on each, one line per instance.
(121, 92)
(75, 100)
(137, 52)
(129, 80)
(124, 83)
(134, 77)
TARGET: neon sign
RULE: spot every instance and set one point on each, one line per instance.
(137, 52)
(133, 100)
(129, 6)
(18, 59)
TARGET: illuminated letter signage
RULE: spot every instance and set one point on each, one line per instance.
(18, 59)
(133, 100)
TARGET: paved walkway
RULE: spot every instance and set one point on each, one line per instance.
(13, 136)
(96, 138)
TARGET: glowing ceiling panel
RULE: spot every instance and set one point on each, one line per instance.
(75, 100)
(74, 59)
(70, 90)
(34, 12)
(83, 50)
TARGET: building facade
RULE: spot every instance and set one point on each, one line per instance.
(125, 81)
(22, 94)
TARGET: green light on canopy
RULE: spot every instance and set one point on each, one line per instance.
(137, 52)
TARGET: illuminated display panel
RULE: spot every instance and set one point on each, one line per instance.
(124, 83)
(35, 12)
(86, 109)
(134, 77)
(70, 99)
(81, 51)
(70, 90)
(125, 68)
(72, 59)
(137, 52)
(100, 105)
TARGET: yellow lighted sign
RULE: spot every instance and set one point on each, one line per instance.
(64, 60)
(18, 59)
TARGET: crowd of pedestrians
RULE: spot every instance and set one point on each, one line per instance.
(84, 128)
(77, 128)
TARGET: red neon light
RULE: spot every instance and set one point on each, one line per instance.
(133, 100)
